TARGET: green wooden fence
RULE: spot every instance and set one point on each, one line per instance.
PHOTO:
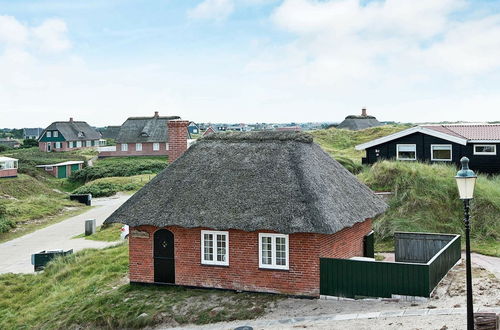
(360, 278)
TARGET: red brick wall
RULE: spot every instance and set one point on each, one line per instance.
(177, 138)
(243, 272)
(8, 173)
(147, 150)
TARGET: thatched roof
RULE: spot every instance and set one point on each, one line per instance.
(145, 129)
(272, 180)
(73, 130)
(359, 123)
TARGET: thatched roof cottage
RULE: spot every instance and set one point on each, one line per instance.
(255, 215)
(355, 123)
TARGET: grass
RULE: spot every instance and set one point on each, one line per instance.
(109, 233)
(111, 185)
(90, 289)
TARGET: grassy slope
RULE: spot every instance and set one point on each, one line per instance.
(83, 291)
(109, 233)
(111, 185)
(425, 195)
(26, 198)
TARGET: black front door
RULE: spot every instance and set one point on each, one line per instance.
(164, 256)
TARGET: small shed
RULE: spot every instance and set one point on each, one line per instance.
(62, 170)
(8, 167)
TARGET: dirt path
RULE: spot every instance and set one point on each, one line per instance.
(15, 255)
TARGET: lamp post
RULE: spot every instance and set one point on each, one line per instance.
(466, 180)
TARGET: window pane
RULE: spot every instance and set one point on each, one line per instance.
(441, 154)
(280, 251)
(485, 149)
(208, 249)
(266, 250)
(406, 148)
(221, 247)
(406, 155)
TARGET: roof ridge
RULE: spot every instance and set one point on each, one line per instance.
(259, 136)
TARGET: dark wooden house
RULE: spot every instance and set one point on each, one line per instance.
(440, 143)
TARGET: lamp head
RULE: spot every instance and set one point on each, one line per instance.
(466, 180)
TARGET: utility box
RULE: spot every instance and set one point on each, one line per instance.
(39, 260)
(82, 198)
(90, 227)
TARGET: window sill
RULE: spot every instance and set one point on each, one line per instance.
(214, 265)
(275, 269)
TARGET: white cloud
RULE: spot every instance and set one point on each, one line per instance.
(51, 35)
(12, 31)
(216, 10)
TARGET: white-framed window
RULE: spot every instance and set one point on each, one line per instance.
(88, 143)
(78, 144)
(215, 247)
(273, 251)
(48, 134)
(49, 168)
(406, 152)
(124, 147)
(58, 145)
(441, 152)
(167, 146)
(156, 146)
(55, 133)
(485, 149)
(138, 147)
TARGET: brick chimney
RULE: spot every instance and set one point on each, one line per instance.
(363, 112)
(156, 114)
(177, 138)
(70, 119)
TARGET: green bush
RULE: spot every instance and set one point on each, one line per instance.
(350, 165)
(119, 167)
(105, 189)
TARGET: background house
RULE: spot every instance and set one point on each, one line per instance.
(151, 136)
(32, 133)
(277, 203)
(193, 128)
(62, 170)
(68, 135)
(440, 143)
(8, 167)
(354, 122)
(10, 142)
(110, 132)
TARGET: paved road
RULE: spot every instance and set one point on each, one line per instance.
(15, 255)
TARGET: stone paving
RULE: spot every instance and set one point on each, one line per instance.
(311, 320)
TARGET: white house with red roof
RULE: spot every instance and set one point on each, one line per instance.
(440, 143)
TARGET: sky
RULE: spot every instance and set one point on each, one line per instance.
(248, 60)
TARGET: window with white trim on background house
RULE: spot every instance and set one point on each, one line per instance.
(441, 152)
(167, 146)
(156, 146)
(58, 145)
(138, 147)
(78, 144)
(124, 147)
(485, 149)
(215, 247)
(88, 143)
(406, 152)
(55, 134)
(48, 134)
(273, 251)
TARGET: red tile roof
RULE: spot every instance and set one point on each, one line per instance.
(469, 131)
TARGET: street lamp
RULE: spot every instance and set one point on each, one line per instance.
(466, 180)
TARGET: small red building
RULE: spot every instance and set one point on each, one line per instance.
(151, 136)
(256, 214)
(8, 167)
(63, 170)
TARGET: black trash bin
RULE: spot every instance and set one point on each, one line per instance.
(40, 259)
(82, 198)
